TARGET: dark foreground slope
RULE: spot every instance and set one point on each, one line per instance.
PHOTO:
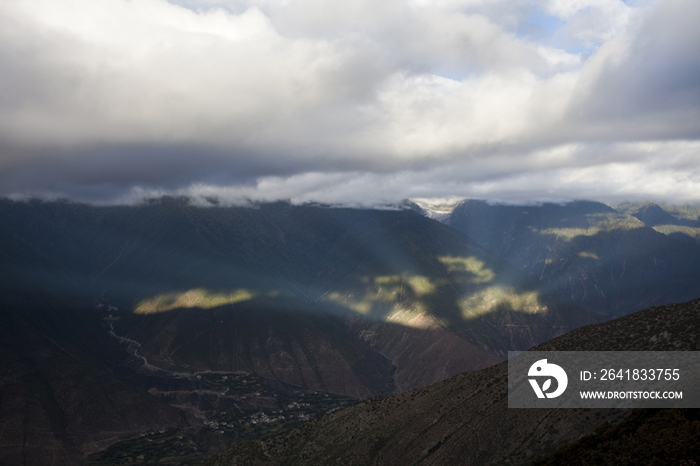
(465, 420)
(653, 437)
(610, 261)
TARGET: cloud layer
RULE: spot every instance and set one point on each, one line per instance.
(350, 102)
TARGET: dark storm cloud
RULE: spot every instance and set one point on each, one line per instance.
(115, 169)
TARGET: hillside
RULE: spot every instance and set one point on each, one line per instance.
(225, 312)
(465, 420)
(345, 269)
(681, 222)
(60, 399)
(609, 261)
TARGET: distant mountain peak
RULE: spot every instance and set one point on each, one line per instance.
(437, 208)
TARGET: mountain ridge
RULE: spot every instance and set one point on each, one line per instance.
(465, 420)
(301, 298)
(606, 260)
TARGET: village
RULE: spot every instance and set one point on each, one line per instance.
(221, 408)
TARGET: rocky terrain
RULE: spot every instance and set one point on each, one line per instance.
(111, 313)
(610, 260)
(59, 399)
(167, 330)
(465, 420)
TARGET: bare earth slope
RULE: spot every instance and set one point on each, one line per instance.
(58, 403)
(465, 420)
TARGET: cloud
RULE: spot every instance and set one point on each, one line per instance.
(357, 102)
(647, 80)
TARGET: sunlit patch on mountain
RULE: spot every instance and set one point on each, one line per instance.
(501, 298)
(385, 293)
(198, 297)
(588, 255)
(597, 223)
(475, 269)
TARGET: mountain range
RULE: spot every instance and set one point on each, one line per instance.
(129, 331)
(465, 420)
(610, 260)
(350, 302)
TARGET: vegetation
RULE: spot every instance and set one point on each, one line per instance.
(162, 446)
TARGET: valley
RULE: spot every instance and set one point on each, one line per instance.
(220, 409)
(166, 332)
(465, 420)
(315, 233)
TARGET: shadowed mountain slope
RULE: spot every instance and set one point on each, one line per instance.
(608, 261)
(465, 420)
(654, 437)
(680, 222)
(653, 214)
(346, 301)
(177, 272)
(59, 399)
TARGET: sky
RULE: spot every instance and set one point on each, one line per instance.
(350, 102)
